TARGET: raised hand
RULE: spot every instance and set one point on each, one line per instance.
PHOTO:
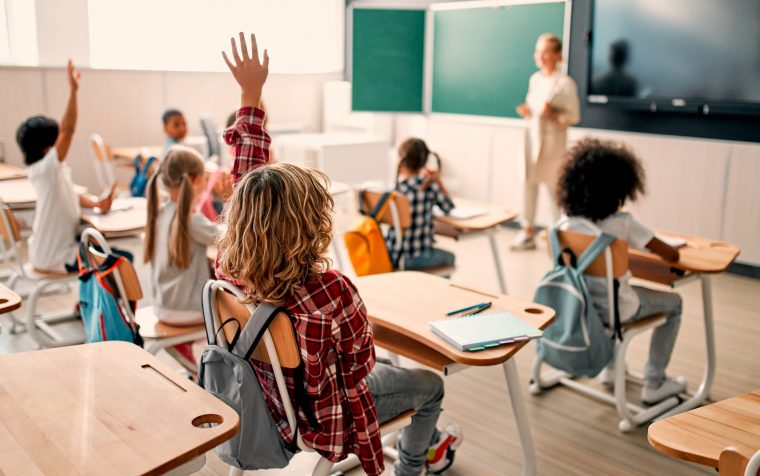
(249, 72)
(73, 75)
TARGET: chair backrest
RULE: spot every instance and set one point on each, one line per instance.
(734, 463)
(578, 242)
(102, 161)
(401, 218)
(212, 137)
(127, 282)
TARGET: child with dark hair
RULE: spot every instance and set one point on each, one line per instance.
(175, 128)
(424, 189)
(595, 182)
(45, 145)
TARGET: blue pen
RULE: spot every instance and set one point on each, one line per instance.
(481, 306)
(480, 309)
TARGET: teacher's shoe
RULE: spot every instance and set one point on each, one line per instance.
(523, 242)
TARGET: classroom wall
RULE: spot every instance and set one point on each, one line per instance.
(125, 106)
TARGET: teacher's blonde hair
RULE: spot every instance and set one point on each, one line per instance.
(555, 41)
(279, 227)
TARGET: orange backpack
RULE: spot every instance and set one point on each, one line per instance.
(365, 242)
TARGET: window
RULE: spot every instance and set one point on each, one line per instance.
(302, 36)
(18, 33)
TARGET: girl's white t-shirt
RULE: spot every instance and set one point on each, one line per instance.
(56, 216)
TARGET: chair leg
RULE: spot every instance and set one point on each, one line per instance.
(33, 327)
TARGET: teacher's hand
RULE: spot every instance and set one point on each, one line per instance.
(549, 112)
(523, 110)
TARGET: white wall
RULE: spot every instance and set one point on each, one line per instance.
(125, 106)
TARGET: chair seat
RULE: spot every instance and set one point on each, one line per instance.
(34, 273)
(152, 328)
(444, 270)
(405, 419)
(648, 322)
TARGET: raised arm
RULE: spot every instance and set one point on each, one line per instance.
(69, 119)
(247, 135)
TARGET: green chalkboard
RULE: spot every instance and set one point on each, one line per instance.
(387, 60)
(483, 57)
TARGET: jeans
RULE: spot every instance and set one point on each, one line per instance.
(431, 258)
(397, 390)
(663, 337)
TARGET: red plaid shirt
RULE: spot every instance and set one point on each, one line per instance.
(334, 337)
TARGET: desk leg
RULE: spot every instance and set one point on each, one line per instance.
(497, 260)
(521, 417)
(703, 392)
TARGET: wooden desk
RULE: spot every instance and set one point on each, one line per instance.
(487, 224)
(10, 172)
(701, 435)
(400, 314)
(19, 193)
(699, 259)
(120, 222)
(128, 154)
(105, 408)
(9, 301)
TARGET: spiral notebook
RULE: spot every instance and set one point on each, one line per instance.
(482, 331)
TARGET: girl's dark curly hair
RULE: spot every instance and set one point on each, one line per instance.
(597, 178)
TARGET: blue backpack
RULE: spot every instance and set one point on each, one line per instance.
(577, 341)
(140, 180)
(102, 313)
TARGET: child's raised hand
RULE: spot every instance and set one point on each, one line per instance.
(247, 70)
(73, 75)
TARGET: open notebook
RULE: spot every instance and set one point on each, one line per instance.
(481, 331)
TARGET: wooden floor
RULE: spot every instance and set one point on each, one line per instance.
(573, 435)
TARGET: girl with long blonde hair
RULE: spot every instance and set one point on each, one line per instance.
(176, 237)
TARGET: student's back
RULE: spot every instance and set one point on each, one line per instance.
(177, 238)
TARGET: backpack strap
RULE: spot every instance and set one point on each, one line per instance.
(148, 164)
(555, 247)
(594, 250)
(380, 208)
(252, 332)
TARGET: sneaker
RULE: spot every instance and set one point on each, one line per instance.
(608, 376)
(440, 456)
(523, 242)
(668, 388)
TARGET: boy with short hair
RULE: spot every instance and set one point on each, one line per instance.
(175, 128)
(45, 145)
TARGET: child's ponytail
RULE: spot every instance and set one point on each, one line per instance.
(179, 234)
(150, 226)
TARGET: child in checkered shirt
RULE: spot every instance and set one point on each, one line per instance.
(424, 189)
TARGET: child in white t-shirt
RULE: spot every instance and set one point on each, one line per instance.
(596, 180)
(45, 145)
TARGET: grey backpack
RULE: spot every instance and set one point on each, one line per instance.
(577, 341)
(227, 374)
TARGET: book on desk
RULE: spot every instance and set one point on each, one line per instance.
(484, 330)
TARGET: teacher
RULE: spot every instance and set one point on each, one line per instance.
(550, 107)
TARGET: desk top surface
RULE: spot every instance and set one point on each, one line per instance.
(105, 408)
(9, 301)
(495, 215)
(322, 139)
(132, 217)
(20, 192)
(700, 435)
(405, 302)
(129, 153)
(9, 172)
(699, 255)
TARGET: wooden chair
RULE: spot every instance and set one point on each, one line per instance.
(157, 335)
(279, 348)
(400, 218)
(734, 463)
(102, 161)
(612, 264)
(40, 327)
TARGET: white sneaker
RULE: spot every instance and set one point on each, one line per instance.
(440, 456)
(523, 242)
(608, 376)
(668, 388)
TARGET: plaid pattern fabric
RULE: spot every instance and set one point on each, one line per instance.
(334, 338)
(420, 236)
